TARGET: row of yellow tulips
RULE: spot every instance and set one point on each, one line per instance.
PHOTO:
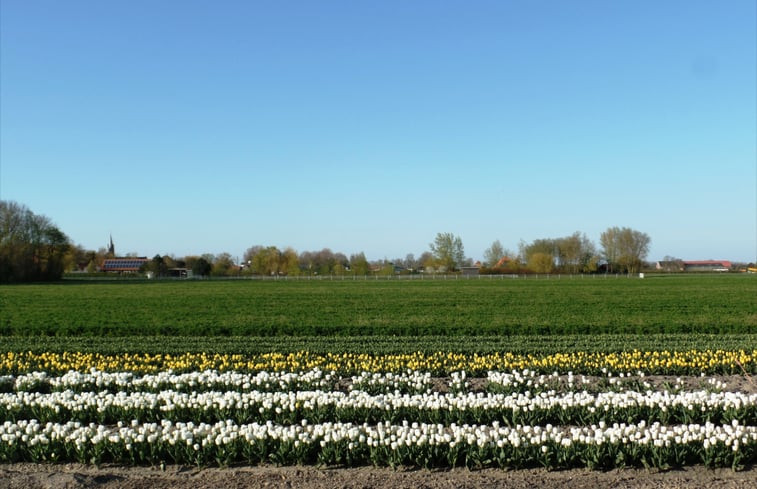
(441, 363)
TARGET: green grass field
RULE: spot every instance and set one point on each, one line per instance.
(712, 304)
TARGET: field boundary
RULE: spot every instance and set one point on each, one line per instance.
(394, 277)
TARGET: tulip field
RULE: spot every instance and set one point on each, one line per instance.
(375, 410)
(597, 401)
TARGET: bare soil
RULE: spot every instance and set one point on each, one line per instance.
(31, 476)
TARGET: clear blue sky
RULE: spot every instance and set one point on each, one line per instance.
(189, 127)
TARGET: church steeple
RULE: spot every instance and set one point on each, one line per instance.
(111, 247)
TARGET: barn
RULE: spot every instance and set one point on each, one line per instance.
(123, 265)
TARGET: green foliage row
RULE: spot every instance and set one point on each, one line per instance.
(665, 304)
(380, 345)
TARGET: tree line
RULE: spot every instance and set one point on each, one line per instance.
(622, 250)
(32, 248)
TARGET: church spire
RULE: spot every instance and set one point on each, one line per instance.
(111, 247)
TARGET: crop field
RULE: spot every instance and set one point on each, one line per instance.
(562, 373)
(509, 419)
(664, 304)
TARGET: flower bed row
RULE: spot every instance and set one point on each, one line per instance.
(359, 406)
(384, 444)
(514, 418)
(208, 380)
(408, 382)
(690, 362)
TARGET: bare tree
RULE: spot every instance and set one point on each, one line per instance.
(609, 240)
(576, 253)
(493, 254)
(624, 248)
(426, 260)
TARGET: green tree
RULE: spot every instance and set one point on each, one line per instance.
(31, 246)
(201, 267)
(540, 262)
(157, 266)
(359, 264)
(448, 251)
(325, 261)
(289, 263)
(318, 262)
(385, 268)
(223, 265)
(543, 246)
(249, 256)
(266, 261)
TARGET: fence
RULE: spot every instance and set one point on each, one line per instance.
(361, 278)
(422, 277)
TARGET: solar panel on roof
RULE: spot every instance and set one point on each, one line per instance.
(116, 264)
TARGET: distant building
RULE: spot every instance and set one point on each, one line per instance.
(179, 273)
(129, 264)
(694, 266)
(707, 266)
(670, 266)
(470, 270)
(111, 247)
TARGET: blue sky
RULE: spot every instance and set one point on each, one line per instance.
(194, 127)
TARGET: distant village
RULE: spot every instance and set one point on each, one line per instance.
(33, 249)
(326, 262)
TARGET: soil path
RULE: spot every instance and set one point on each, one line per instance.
(31, 476)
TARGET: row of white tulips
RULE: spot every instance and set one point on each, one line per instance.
(407, 381)
(204, 380)
(410, 381)
(20, 404)
(383, 444)
(512, 419)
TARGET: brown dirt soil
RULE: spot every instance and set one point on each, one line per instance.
(31, 476)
